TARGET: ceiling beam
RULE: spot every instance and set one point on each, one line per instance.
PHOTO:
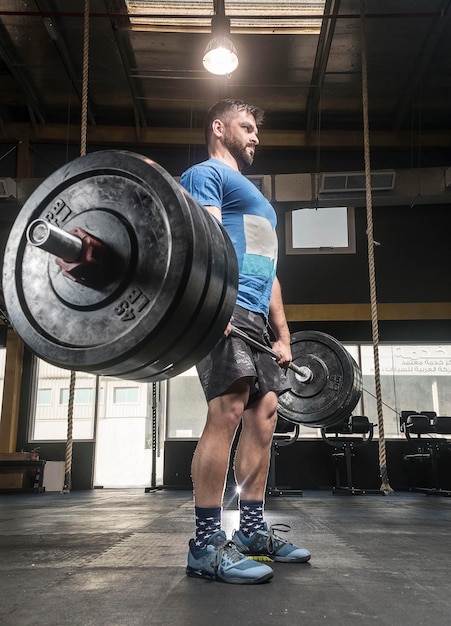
(53, 28)
(126, 135)
(125, 49)
(232, 16)
(20, 76)
(412, 88)
(320, 66)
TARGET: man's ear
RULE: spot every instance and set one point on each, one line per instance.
(217, 128)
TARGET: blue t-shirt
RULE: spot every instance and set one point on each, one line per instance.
(250, 221)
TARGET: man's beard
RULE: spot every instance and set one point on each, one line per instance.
(239, 152)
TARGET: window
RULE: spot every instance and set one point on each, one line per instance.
(49, 422)
(126, 395)
(115, 412)
(81, 396)
(413, 377)
(320, 231)
(44, 397)
(265, 16)
(187, 407)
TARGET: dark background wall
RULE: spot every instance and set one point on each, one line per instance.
(310, 464)
(412, 265)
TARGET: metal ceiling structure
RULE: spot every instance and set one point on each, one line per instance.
(149, 86)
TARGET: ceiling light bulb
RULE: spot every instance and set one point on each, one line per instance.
(220, 56)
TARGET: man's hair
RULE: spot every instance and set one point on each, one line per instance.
(225, 109)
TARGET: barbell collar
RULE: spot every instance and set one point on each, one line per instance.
(82, 257)
(41, 234)
(303, 373)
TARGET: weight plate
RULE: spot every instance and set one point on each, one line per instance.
(335, 388)
(171, 285)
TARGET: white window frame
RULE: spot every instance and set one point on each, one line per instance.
(349, 249)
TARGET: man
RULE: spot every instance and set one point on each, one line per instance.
(241, 385)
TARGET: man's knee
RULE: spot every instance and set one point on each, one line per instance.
(264, 409)
(231, 403)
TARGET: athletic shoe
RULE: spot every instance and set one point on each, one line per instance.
(265, 545)
(220, 560)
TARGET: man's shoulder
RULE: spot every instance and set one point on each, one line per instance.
(211, 166)
(211, 171)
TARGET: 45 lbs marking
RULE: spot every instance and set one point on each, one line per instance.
(132, 306)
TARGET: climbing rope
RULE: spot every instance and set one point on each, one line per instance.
(83, 142)
(385, 486)
(84, 88)
(69, 440)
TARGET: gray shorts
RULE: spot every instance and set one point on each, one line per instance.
(232, 358)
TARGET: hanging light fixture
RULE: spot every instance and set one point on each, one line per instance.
(220, 55)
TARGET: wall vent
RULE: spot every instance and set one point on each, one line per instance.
(355, 181)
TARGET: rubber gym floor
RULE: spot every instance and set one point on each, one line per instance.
(117, 558)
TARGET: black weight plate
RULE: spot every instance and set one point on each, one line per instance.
(353, 398)
(335, 388)
(163, 271)
(191, 338)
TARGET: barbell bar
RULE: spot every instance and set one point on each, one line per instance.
(112, 268)
(304, 374)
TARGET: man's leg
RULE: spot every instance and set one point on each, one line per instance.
(254, 447)
(211, 458)
(252, 461)
(210, 554)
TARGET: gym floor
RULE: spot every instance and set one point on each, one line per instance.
(117, 558)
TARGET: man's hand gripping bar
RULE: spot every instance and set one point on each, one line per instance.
(303, 373)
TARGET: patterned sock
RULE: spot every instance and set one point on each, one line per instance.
(251, 516)
(208, 521)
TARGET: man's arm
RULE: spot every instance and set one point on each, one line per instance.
(279, 325)
(215, 211)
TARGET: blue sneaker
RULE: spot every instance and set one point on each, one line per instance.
(265, 545)
(220, 560)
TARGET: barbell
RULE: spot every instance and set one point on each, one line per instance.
(112, 268)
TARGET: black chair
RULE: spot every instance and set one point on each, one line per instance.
(403, 416)
(442, 424)
(426, 430)
(417, 424)
(343, 439)
(285, 434)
